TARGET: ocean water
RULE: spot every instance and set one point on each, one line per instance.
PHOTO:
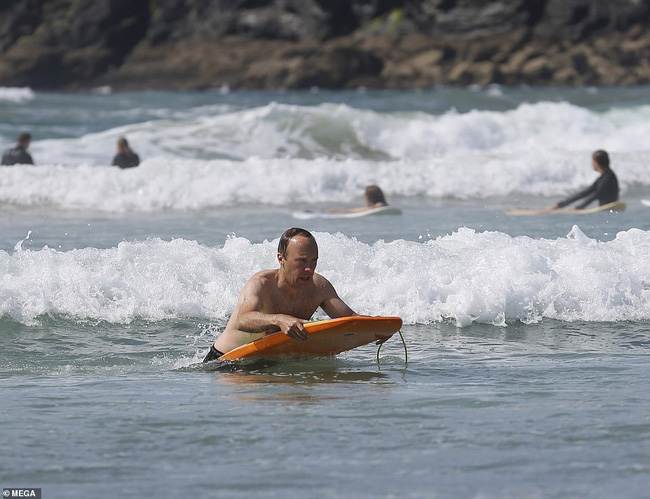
(528, 338)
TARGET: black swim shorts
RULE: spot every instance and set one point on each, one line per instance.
(213, 354)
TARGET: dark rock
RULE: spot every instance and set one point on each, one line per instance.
(580, 19)
(175, 20)
(326, 43)
(73, 41)
(537, 70)
(36, 66)
(341, 66)
(18, 18)
(469, 17)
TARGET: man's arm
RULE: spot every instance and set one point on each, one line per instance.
(587, 201)
(603, 184)
(332, 305)
(252, 319)
(589, 190)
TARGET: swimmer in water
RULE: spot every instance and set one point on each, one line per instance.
(125, 157)
(282, 299)
(19, 155)
(374, 198)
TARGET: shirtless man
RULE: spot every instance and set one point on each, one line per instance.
(282, 299)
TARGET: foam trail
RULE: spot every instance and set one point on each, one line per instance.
(464, 277)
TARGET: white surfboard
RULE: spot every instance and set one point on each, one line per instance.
(382, 210)
(645, 202)
(611, 207)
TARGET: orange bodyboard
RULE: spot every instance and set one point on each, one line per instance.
(326, 338)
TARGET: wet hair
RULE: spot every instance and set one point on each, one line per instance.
(123, 144)
(24, 137)
(288, 235)
(602, 158)
(374, 195)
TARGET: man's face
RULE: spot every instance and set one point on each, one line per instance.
(299, 264)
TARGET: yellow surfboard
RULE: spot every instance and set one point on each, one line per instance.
(611, 207)
(326, 338)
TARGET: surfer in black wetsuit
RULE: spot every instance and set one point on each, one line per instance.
(19, 155)
(604, 189)
(125, 157)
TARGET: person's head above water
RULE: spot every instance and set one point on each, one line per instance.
(24, 138)
(600, 158)
(123, 145)
(288, 235)
(298, 257)
(374, 195)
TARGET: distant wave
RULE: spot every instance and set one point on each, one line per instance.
(464, 277)
(16, 94)
(338, 131)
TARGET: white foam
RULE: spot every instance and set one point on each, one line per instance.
(183, 184)
(103, 90)
(463, 277)
(16, 94)
(342, 132)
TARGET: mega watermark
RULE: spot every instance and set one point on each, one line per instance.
(22, 492)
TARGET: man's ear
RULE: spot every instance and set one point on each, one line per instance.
(280, 258)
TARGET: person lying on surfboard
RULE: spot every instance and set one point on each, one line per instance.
(374, 198)
(281, 299)
(604, 189)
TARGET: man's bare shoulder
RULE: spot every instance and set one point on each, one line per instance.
(322, 284)
(263, 278)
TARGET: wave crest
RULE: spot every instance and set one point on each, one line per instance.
(464, 277)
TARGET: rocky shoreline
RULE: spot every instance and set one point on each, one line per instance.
(261, 44)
